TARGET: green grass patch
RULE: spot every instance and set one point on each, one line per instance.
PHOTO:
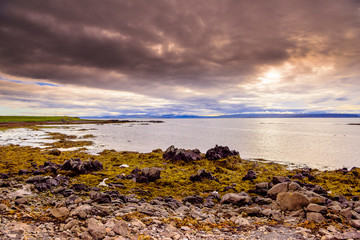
(36, 118)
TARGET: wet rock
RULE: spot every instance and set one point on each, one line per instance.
(81, 167)
(291, 201)
(251, 175)
(59, 212)
(80, 187)
(193, 199)
(96, 229)
(201, 175)
(219, 152)
(239, 199)
(315, 217)
(176, 154)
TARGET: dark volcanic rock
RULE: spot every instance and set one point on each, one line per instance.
(80, 187)
(23, 171)
(251, 175)
(82, 167)
(219, 152)
(104, 198)
(279, 179)
(193, 199)
(4, 176)
(145, 175)
(202, 174)
(179, 154)
(260, 188)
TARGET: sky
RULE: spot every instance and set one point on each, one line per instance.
(185, 57)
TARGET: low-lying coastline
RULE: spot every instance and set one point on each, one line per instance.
(176, 194)
(8, 122)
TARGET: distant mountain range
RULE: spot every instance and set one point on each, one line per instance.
(304, 115)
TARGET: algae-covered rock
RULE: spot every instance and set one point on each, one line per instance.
(82, 167)
(201, 175)
(179, 154)
(219, 152)
(251, 175)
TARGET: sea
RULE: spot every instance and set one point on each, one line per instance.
(323, 143)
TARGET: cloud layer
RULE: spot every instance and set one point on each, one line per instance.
(196, 57)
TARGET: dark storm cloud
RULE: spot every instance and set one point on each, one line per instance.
(136, 45)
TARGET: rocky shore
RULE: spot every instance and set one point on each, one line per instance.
(176, 194)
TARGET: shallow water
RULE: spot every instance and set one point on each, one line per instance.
(320, 143)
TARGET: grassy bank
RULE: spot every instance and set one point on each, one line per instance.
(37, 118)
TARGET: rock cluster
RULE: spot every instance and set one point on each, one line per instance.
(179, 154)
(219, 152)
(82, 167)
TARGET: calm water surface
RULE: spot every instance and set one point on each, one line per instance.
(320, 143)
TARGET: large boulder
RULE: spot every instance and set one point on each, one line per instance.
(201, 175)
(292, 201)
(278, 188)
(239, 199)
(82, 167)
(219, 152)
(179, 154)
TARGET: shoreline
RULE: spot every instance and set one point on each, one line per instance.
(171, 195)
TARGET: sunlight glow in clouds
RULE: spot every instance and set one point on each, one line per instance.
(203, 57)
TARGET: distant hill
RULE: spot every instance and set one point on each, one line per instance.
(305, 115)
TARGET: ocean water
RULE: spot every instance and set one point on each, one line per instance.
(325, 143)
